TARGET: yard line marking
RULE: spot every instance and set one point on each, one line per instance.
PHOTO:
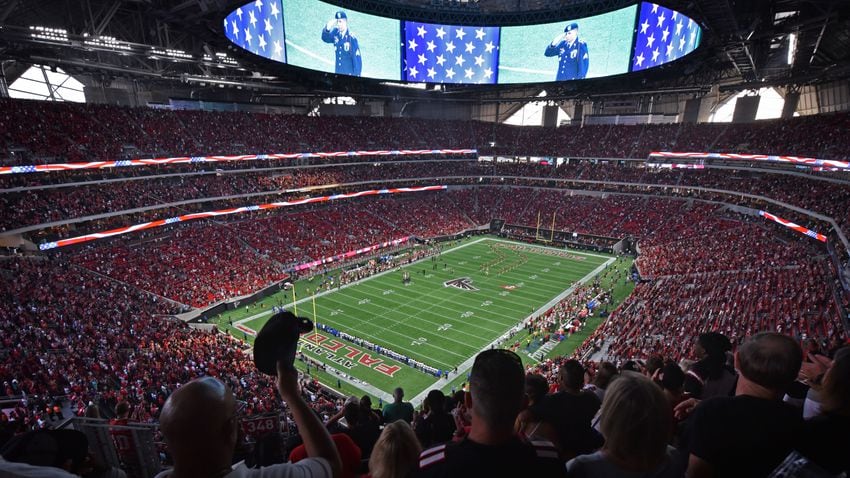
(371, 320)
(457, 301)
(423, 319)
(535, 261)
(416, 355)
(435, 304)
(350, 284)
(467, 364)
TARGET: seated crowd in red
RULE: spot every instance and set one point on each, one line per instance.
(97, 339)
(65, 132)
(39, 206)
(94, 319)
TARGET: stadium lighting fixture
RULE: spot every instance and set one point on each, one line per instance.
(416, 86)
(172, 54)
(107, 42)
(47, 33)
(792, 46)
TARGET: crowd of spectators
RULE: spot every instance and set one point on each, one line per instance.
(726, 274)
(92, 341)
(44, 132)
(195, 266)
(96, 330)
(711, 419)
(731, 245)
(86, 354)
(40, 132)
(200, 263)
(787, 406)
(39, 206)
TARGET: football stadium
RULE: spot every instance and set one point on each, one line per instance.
(414, 238)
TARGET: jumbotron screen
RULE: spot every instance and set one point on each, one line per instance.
(324, 37)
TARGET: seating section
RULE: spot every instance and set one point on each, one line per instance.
(32, 207)
(96, 322)
(63, 132)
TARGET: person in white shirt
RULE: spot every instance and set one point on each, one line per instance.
(200, 426)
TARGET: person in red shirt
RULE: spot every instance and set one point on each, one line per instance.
(122, 438)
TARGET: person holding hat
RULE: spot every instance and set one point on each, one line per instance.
(200, 425)
(348, 60)
(572, 52)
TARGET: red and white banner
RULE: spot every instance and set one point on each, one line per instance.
(350, 254)
(224, 212)
(791, 225)
(675, 165)
(46, 168)
(798, 160)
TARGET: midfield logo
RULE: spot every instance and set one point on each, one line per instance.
(463, 283)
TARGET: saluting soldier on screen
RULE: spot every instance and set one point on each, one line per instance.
(348, 60)
(574, 59)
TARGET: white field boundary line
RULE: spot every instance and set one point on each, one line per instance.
(443, 316)
(467, 364)
(422, 297)
(442, 306)
(356, 383)
(508, 277)
(350, 284)
(389, 328)
(360, 385)
(438, 304)
(512, 275)
(488, 331)
(365, 279)
(499, 324)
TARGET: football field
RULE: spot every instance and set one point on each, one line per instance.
(380, 333)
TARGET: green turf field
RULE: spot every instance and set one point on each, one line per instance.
(429, 320)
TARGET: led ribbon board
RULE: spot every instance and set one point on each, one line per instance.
(225, 212)
(46, 168)
(350, 254)
(791, 225)
(796, 160)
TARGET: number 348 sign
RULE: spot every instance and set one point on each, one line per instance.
(260, 425)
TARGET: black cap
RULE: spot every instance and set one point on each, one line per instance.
(278, 339)
(571, 26)
(340, 14)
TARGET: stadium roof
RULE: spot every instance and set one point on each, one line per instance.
(161, 43)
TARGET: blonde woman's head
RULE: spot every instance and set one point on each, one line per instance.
(637, 422)
(396, 453)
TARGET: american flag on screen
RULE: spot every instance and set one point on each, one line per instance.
(258, 27)
(450, 53)
(663, 35)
